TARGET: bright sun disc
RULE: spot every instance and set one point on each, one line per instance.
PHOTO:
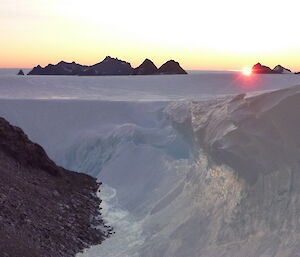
(247, 71)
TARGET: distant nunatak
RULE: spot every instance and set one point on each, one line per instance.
(109, 66)
(262, 69)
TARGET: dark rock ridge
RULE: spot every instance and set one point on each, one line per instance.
(146, 68)
(149, 68)
(262, 69)
(109, 66)
(45, 210)
(281, 69)
(171, 67)
(62, 68)
(21, 73)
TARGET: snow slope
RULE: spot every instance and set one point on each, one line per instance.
(185, 174)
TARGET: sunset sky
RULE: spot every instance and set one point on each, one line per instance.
(210, 35)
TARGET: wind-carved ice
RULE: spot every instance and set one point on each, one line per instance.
(238, 195)
(165, 194)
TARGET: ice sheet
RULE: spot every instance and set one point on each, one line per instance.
(184, 174)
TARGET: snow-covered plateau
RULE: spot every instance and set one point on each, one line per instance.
(199, 165)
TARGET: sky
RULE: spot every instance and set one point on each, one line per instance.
(206, 35)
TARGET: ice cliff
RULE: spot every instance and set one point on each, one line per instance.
(245, 176)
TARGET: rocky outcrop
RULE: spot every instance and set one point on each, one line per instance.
(146, 68)
(45, 210)
(109, 66)
(21, 73)
(171, 67)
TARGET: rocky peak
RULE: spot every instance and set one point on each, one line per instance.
(62, 63)
(21, 73)
(171, 67)
(261, 69)
(109, 66)
(107, 58)
(146, 68)
(281, 69)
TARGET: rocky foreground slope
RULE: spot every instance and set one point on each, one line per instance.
(45, 210)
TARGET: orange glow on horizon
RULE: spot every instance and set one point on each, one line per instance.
(49, 31)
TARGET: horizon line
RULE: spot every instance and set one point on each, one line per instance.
(233, 70)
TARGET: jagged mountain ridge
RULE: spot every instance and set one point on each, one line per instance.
(262, 69)
(109, 66)
(45, 210)
(62, 68)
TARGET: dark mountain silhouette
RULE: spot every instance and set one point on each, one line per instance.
(62, 68)
(109, 66)
(281, 69)
(171, 67)
(262, 69)
(146, 68)
(21, 73)
(37, 70)
(45, 210)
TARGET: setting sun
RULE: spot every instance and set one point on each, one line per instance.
(247, 71)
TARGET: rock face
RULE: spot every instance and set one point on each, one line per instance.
(45, 210)
(109, 66)
(262, 69)
(146, 68)
(21, 73)
(171, 67)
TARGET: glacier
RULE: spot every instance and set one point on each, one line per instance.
(199, 166)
